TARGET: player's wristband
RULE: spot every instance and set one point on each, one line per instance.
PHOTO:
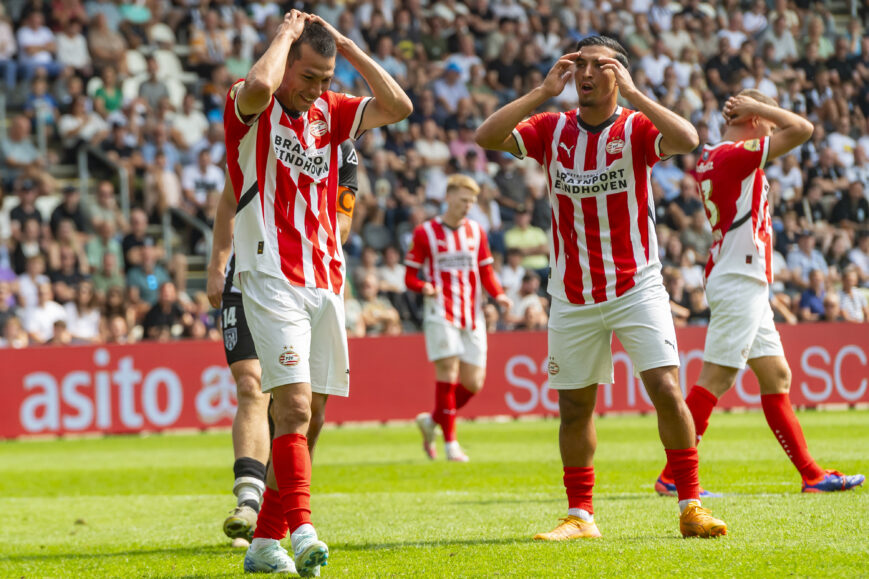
(346, 200)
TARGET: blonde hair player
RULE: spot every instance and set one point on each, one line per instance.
(453, 253)
(741, 329)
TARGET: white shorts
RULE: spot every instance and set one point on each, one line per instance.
(580, 337)
(741, 327)
(443, 340)
(299, 333)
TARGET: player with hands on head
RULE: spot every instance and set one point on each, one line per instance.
(741, 330)
(283, 130)
(251, 428)
(453, 253)
(606, 275)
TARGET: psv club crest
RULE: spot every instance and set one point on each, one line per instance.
(318, 128)
(615, 146)
(288, 358)
(230, 338)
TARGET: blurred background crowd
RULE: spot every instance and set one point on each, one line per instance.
(112, 153)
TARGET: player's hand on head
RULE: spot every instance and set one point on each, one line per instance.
(738, 109)
(331, 29)
(559, 74)
(623, 76)
(294, 22)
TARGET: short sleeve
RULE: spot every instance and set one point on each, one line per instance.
(484, 252)
(532, 135)
(646, 139)
(418, 251)
(744, 157)
(349, 166)
(234, 125)
(346, 113)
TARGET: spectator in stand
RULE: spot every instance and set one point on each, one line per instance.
(29, 245)
(40, 105)
(36, 46)
(189, 124)
(137, 238)
(532, 242)
(804, 260)
(153, 90)
(528, 312)
(103, 242)
(105, 208)
(70, 208)
(150, 276)
(39, 320)
(166, 319)
(106, 46)
(812, 299)
(851, 212)
(378, 315)
(83, 315)
(853, 302)
(511, 274)
(26, 209)
(8, 50)
(859, 256)
(79, 127)
(14, 335)
(68, 276)
(29, 281)
(199, 180)
(19, 154)
(72, 49)
(109, 275)
(209, 44)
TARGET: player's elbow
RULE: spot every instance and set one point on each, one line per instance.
(806, 129)
(404, 107)
(484, 137)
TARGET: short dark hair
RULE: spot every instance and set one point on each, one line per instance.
(317, 37)
(620, 53)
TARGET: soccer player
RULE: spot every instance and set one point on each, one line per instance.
(605, 272)
(738, 274)
(454, 253)
(283, 131)
(250, 427)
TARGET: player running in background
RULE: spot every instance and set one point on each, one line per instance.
(741, 330)
(605, 276)
(251, 427)
(283, 131)
(454, 254)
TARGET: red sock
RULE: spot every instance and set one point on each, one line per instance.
(784, 424)
(292, 465)
(700, 402)
(579, 482)
(463, 395)
(684, 463)
(445, 409)
(271, 522)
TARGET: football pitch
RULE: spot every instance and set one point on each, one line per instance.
(153, 506)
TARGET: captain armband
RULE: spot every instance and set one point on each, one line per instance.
(346, 200)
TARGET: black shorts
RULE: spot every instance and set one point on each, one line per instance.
(237, 341)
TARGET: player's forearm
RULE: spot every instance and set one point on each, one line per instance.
(679, 135)
(490, 281)
(412, 281)
(344, 224)
(221, 240)
(266, 74)
(389, 96)
(794, 130)
(498, 127)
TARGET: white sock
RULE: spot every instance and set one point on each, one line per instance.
(248, 488)
(452, 446)
(683, 504)
(582, 514)
(304, 531)
(260, 542)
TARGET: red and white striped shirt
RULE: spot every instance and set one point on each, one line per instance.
(451, 260)
(284, 172)
(603, 230)
(734, 190)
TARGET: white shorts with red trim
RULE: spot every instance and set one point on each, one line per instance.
(741, 327)
(580, 337)
(299, 333)
(444, 340)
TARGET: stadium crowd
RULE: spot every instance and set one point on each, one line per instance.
(144, 84)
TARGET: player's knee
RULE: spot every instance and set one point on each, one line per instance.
(782, 376)
(249, 391)
(292, 414)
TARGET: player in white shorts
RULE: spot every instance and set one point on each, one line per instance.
(251, 427)
(453, 253)
(741, 329)
(605, 272)
(283, 131)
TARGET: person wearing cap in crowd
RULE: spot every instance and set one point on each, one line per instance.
(26, 208)
(449, 89)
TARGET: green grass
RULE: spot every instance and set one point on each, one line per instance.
(153, 506)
